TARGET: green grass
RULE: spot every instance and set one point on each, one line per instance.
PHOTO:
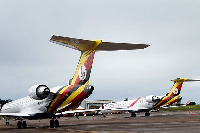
(182, 108)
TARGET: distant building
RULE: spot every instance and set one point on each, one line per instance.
(94, 104)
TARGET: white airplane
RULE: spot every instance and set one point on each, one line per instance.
(44, 102)
(149, 102)
(186, 103)
(172, 106)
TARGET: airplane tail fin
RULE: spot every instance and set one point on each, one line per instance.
(88, 49)
(173, 95)
(175, 90)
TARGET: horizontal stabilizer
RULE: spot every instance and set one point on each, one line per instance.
(184, 80)
(78, 44)
(84, 45)
(111, 46)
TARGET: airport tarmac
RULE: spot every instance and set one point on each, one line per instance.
(165, 122)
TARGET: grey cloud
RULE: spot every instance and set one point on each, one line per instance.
(172, 28)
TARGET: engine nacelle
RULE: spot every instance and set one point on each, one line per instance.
(152, 98)
(88, 90)
(179, 98)
(39, 92)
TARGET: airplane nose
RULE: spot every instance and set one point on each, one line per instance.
(88, 90)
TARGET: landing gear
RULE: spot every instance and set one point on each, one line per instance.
(147, 114)
(24, 124)
(21, 124)
(133, 114)
(54, 123)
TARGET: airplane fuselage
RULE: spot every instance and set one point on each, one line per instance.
(141, 105)
(28, 106)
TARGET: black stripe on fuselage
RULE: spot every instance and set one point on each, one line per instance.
(66, 96)
(171, 97)
(165, 101)
(55, 96)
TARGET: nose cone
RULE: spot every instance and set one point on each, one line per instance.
(88, 90)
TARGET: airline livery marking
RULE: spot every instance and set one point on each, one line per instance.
(82, 72)
(173, 94)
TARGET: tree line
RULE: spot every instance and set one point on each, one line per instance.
(2, 102)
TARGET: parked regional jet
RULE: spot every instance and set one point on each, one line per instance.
(186, 103)
(149, 102)
(44, 102)
(173, 106)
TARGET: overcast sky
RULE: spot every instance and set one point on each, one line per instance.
(172, 28)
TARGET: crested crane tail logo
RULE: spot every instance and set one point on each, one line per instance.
(82, 72)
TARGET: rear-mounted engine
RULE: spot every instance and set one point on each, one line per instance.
(39, 92)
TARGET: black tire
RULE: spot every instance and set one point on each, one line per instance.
(56, 122)
(51, 123)
(19, 125)
(24, 124)
(147, 114)
(133, 115)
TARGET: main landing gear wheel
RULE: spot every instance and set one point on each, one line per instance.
(21, 124)
(133, 114)
(147, 114)
(54, 123)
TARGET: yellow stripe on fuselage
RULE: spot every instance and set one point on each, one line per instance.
(159, 104)
(72, 96)
(58, 95)
(170, 101)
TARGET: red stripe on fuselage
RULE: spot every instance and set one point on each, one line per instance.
(75, 102)
(134, 102)
(179, 87)
(166, 98)
(176, 100)
(61, 97)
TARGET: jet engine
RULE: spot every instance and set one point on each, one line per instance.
(179, 98)
(39, 92)
(88, 90)
(152, 98)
